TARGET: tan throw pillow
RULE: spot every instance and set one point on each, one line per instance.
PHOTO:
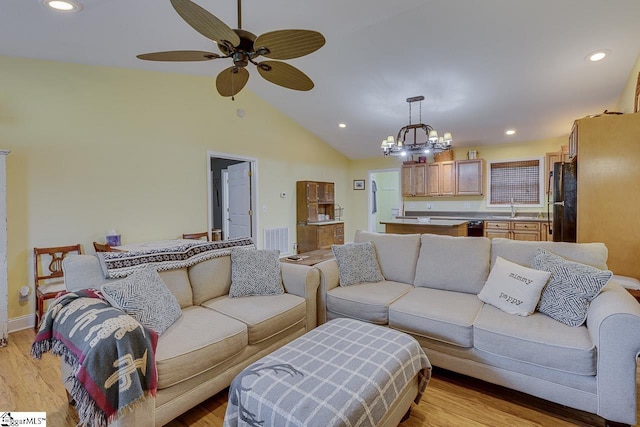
(513, 288)
(255, 272)
(357, 263)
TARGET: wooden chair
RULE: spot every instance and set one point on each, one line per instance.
(48, 279)
(196, 236)
(103, 247)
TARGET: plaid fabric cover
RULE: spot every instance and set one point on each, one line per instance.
(343, 373)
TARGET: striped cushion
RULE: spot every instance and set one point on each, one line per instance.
(571, 288)
(146, 298)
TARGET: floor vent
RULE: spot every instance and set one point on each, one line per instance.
(277, 238)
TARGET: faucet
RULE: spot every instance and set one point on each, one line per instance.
(513, 209)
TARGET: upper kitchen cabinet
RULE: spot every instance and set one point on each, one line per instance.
(469, 177)
(414, 180)
(441, 178)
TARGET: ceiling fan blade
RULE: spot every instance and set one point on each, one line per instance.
(179, 55)
(204, 22)
(285, 75)
(229, 82)
(288, 44)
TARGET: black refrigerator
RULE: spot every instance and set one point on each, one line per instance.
(565, 195)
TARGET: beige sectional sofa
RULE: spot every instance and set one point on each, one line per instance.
(430, 291)
(216, 336)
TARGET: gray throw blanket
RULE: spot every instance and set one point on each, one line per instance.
(112, 356)
(343, 373)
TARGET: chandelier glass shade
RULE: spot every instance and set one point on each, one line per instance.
(416, 138)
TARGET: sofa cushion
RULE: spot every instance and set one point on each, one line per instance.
(536, 339)
(144, 296)
(459, 264)
(522, 252)
(178, 283)
(198, 341)
(397, 253)
(264, 315)
(210, 279)
(571, 288)
(255, 272)
(366, 301)
(440, 315)
(513, 288)
(357, 263)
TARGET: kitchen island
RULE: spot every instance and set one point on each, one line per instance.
(447, 227)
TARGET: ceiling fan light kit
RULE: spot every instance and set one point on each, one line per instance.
(243, 47)
(430, 142)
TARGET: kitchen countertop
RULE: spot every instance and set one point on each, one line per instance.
(472, 216)
(432, 221)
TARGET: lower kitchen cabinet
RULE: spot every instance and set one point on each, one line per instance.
(319, 236)
(514, 230)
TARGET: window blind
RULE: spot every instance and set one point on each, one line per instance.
(518, 180)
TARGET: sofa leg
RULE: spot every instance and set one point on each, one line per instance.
(608, 423)
(406, 416)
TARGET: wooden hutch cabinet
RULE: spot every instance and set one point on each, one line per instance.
(315, 216)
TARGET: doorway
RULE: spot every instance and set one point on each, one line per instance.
(384, 197)
(231, 185)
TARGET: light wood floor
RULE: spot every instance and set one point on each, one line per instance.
(27, 384)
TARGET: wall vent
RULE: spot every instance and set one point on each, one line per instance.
(277, 238)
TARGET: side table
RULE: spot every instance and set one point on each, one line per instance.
(309, 258)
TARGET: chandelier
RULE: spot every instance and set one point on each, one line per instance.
(430, 142)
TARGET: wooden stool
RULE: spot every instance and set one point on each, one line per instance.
(216, 234)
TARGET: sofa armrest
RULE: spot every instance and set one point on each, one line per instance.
(303, 281)
(613, 321)
(83, 272)
(329, 279)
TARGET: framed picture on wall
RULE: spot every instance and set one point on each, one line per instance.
(358, 184)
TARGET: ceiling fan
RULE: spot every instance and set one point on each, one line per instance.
(244, 48)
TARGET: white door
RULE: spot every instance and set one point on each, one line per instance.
(239, 200)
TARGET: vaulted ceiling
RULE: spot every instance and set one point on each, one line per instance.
(483, 66)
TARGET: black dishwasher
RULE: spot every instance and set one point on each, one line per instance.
(475, 228)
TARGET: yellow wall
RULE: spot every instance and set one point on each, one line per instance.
(359, 170)
(627, 98)
(95, 148)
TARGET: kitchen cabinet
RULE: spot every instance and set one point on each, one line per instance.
(469, 177)
(573, 140)
(319, 236)
(414, 180)
(550, 159)
(514, 230)
(607, 149)
(441, 178)
(448, 178)
(315, 216)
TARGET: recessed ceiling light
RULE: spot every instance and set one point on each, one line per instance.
(342, 125)
(598, 55)
(510, 132)
(64, 6)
